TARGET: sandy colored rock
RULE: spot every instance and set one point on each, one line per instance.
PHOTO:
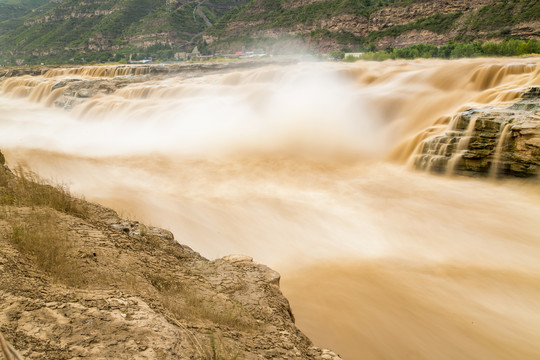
(117, 289)
(237, 258)
(505, 142)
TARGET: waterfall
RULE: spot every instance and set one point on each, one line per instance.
(501, 141)
(303, 167)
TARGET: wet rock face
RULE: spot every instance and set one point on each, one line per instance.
(490, 142)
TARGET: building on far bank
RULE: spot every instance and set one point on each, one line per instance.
(355, 55)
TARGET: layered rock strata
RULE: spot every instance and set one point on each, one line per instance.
(494, 142)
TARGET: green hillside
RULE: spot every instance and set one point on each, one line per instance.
(12, 12)
(372, 24)
(75, 31)
(10, 9)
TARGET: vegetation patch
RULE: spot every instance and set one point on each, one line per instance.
(271, 13)
(27, 189)
(437, 23)
(185, 302)
(510, 47)
(38, 236)
(504, 13)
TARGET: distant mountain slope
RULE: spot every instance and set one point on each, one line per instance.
(82, 31)
(10, 9)
(75, 30)
(11, 12)
(354, 24)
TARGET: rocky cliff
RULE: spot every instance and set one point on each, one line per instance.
(495, 142)
(332, 24)
(80, 282)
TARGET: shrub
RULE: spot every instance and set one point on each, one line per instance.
(511, 47)
(377, 56)
(337, 55)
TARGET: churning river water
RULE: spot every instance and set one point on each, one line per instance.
(305, 168)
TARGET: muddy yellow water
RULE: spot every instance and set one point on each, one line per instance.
(305, 168)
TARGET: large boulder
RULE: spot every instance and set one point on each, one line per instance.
(495, 142)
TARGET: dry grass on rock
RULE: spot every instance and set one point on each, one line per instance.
(25, 188)
(79, 282)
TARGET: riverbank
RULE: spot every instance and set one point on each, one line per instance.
(309, 169)
(79, 281)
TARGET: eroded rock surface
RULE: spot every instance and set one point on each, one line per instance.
(101, 287)
(496, 142)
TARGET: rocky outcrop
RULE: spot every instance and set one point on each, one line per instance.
(412, 37)
(395, 24)
(495, 142)
(100, 287)
(388, 17)
(69, 13)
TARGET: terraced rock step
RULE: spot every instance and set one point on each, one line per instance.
(495, 142)
(126, 70)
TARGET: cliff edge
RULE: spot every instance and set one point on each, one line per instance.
(80, 282)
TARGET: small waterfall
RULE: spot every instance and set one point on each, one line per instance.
(443, 152)
(492, 75)
(40, 92)
(472, 144)
(50, 86)
(462, 146)
(496, 162)
(477, 142)
(434, 153)
(99, 71)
